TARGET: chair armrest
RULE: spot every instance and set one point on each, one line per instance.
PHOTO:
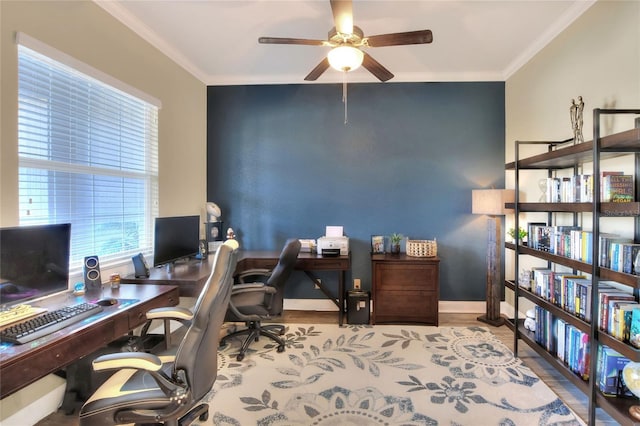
(120, 360)
(252, 288)
(172, 313)
(140, 361)
(256, 272)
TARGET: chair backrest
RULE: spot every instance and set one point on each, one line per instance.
(197, 355)
(281, 273)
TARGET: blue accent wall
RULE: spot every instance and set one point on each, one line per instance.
(281, 163)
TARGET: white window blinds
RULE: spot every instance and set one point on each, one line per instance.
(88, 155)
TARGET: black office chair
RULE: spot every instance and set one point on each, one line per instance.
(255, 302)
(166, 389)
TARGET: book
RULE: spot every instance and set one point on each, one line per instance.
(541, 278)
(610, 363)
(604, 174)
(629, 253)
(622, 319)
(616, 320)
(561, 326)
(605, 298)
(605, 241)
(634, 329)
(617, 189)
(533, 232)
(553, 190)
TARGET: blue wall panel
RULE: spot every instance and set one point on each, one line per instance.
(282, 163)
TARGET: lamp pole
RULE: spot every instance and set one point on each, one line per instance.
(494, 262)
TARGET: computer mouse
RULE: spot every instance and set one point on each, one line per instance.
(107, 301)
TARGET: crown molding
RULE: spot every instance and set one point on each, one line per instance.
(561, 24)
(135, 25)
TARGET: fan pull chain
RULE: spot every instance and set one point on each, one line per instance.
(344, 94)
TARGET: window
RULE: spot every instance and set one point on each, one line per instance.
(88, 155)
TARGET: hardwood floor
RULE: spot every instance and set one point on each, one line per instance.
(560, 385)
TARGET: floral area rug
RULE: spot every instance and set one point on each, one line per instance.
(381, 375)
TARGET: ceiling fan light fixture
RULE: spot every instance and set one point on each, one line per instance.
(345, 58)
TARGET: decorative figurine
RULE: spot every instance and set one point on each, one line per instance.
(575, 112)
(530, 321)
(230, 234)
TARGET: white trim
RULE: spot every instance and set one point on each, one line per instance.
(59, 56)
(134, 24)
(444, 306)
(566, 19)
(50, 391)
(309, 305)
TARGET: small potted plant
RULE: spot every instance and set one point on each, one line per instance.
(395, 240)
(520, 235)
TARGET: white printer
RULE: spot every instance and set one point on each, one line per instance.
(333, 246)
(334, 243)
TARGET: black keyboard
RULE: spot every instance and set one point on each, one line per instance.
(47, 323)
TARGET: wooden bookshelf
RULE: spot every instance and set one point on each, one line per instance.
(566, 155)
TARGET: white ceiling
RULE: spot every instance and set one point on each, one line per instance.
(217, 41)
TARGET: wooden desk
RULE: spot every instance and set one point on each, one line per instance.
(21, 365)
(190, 276)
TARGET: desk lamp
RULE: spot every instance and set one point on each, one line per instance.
(491, 202)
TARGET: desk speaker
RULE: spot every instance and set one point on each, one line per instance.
(91, 272)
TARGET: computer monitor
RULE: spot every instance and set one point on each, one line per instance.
(175, 238)
(34, 262)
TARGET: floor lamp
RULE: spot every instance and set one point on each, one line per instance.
(491, 202)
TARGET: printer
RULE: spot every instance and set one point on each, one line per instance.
(333, 246)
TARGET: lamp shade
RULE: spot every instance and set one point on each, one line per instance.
(491, 201)
(345, 58)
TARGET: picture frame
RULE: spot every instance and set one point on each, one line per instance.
(214, 231)
(377, 244)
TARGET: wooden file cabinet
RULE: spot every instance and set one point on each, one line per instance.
(405, 289)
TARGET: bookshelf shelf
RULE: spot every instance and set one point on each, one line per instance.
(565, 155)
(604, 273)
(606, 209)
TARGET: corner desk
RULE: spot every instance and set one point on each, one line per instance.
(191, 275)
(21, 365)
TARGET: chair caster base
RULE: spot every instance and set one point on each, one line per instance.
(280, 348)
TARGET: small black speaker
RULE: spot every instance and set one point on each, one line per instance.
(91, 271)
(140, 266)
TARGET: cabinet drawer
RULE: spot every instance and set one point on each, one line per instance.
(406, 306)
(400, 302)
(406, 277)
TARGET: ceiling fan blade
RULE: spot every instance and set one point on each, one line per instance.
(286, 40)
(397, 39)
(376, 68)
(318, 70)
(343, 15)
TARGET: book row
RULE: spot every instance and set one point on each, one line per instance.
(616, 253)
(572, 347)
(615, 187)
(618, 309)
(564, 341)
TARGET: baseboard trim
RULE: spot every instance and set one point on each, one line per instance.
(33, 403)
(444, 306)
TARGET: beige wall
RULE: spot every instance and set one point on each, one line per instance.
(89, 34)
(598, 58)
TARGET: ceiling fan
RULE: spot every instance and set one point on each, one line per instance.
(346, 41)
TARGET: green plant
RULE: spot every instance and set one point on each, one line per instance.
(395, 238)
(522, 234)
